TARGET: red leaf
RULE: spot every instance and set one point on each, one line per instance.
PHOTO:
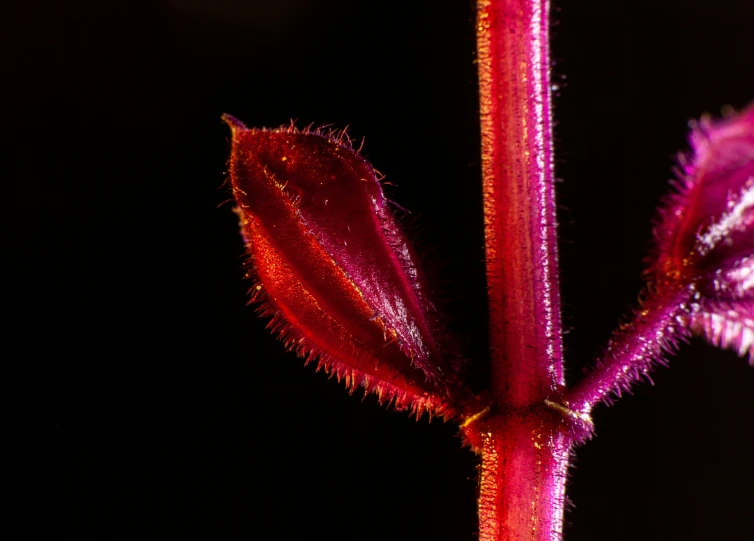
(335, 272)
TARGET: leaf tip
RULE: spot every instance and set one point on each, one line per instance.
(234, 124)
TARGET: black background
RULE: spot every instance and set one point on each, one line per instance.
(164, 408)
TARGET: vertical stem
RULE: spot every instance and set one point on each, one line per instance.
(522, 477)
(523, 442)
(519, 211)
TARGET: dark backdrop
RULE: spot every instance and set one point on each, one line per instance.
(167, 412)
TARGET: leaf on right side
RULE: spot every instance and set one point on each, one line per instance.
(705, 234)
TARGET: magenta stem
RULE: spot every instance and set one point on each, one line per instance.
(524, 440)
(660, 322)
(519, 208)
(523, 474)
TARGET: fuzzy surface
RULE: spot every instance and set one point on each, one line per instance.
(334, 271)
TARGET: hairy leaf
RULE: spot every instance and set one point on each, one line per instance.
(334, 271)
(706, 232)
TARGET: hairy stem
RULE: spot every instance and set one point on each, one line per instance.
(657, 326)
(519, 210)
(522, 476)
(522, 441)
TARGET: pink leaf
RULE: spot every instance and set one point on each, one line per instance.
(706, 233)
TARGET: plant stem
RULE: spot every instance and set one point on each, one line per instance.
(519, 211)
(522, 476)
(524, 441)
(660, 322)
